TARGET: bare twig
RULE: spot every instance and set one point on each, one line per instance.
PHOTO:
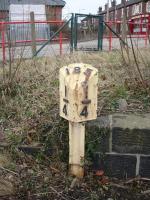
(41, 194)
(135, 59)
(58, 193)
(119, 186)
(146, 192)
(7, 170)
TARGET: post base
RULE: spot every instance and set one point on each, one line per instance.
(76, 148)
(76, 170)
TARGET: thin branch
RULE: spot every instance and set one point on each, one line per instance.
(7, 170)
(135, 59)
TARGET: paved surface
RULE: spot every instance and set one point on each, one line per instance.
(54, 49)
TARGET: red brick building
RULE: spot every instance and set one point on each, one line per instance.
(137, 11)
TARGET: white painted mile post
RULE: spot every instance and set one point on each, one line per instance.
(78, 104)
(76, 148)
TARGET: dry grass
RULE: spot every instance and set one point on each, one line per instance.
(29, 113)
(34, 99)
(4, 160)
(6, 188)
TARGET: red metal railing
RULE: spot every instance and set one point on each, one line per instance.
(20, 29)
(143, 33)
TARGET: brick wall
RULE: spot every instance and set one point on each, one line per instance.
(130, 12)
(4, 15)
(54, 12)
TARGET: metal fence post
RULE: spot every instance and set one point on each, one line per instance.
(100, 33)
(75, 31)
(110, 37)
(72, 33)
(3, 41)
(33, 33)
(60, 42)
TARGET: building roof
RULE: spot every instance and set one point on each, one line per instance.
(4, 4)
(121, 5)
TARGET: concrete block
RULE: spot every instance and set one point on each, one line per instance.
(128, 133)
(136, 141)
(120, 166)
(99, 130)
(144, 170)
(131, 121)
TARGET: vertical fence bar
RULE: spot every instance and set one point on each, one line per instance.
(33, 33)
(146, 36)
(75, 31)
(72, 33)
(141, 25)
(100, 33)
(60, 42)
(3, 42)
(110, 37)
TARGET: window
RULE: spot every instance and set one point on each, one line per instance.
(148, 7)
(127, 11)
(111, 16)
(140, 8)
(136, 28)
(145, 25)
(122, 12)
(137, 9)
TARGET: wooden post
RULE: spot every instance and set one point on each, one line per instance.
(76, 148)
(107, 14)
(33, 33)
(110, 37)
(107, 17)
(124, 23)
(60, 42)
(3, 42)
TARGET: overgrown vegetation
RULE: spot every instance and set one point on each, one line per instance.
(29, 115)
